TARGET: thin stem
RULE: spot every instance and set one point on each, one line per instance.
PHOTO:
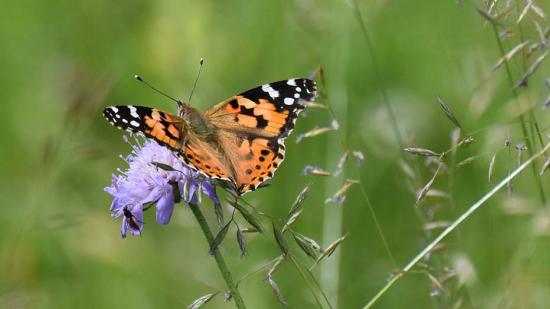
(314, 286)
(375, 218)
(522, 120)
(453, 226)
(378, 77)
(218, 257)
(370, 207)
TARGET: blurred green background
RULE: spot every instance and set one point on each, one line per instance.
(63, 61)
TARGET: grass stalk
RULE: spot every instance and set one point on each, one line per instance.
(377, 75)
(523, 122)
(314, 287)
(364, 194)
(226, 274)
(454, 225)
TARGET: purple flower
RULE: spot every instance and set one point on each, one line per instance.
(155, 175)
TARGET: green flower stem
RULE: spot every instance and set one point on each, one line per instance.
(236, 296)
(453, 226)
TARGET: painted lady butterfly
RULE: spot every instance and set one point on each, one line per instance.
(240, 140)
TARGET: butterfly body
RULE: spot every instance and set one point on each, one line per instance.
(240, 140)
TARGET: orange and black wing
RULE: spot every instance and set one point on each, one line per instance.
(151, 122)
(167, 130)
(252, 127)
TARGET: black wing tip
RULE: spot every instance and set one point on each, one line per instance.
(124, 117)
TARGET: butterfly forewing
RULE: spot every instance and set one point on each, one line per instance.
(167, 130)
(270, 109)
(153, 123)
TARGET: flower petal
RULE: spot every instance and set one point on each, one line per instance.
(210, 190)
(165, 205)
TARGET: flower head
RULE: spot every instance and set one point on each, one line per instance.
(155, 176)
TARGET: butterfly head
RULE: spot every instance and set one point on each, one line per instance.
(181, 106)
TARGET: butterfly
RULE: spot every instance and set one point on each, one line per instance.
(239, 141)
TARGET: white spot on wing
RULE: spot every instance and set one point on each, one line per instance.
(289, 101)
(272, 92)
(291, 82)
(296, 95)
(134, 123)
(298, 89)
(114, 109)
(124, 120)
(133, 111)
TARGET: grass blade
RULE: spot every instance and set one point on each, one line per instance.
(199, 302)
(454, 225)
(448, 112)
(219, 238)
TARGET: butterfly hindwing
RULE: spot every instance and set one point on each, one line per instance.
(254, 158)
(205, 158)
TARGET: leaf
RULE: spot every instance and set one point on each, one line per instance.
(436, 225)
(466, 161)
(465, 142)
(197, 303)
(249, 217)
(315, 170)
(275, 265)
(435, 281)
(219, 238)
(524, 11)
(249, 230)
(277, 291)
(542, 35)
(509, 55)
(535, 8)
(359, 157)
(340, 196)
(291, 220)
(280, 239)
(491, 167)
(341, 163)
(328, 251)
(313, 132)
(487, 16)
(242, 243)
(437, 193)
(219, 213)
(422, 193)
(523, 81)
(308, 245)
(448, 112)
(299, 200)
(422, 152)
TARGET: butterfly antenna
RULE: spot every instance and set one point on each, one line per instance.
(155, 89)
(201, 62)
